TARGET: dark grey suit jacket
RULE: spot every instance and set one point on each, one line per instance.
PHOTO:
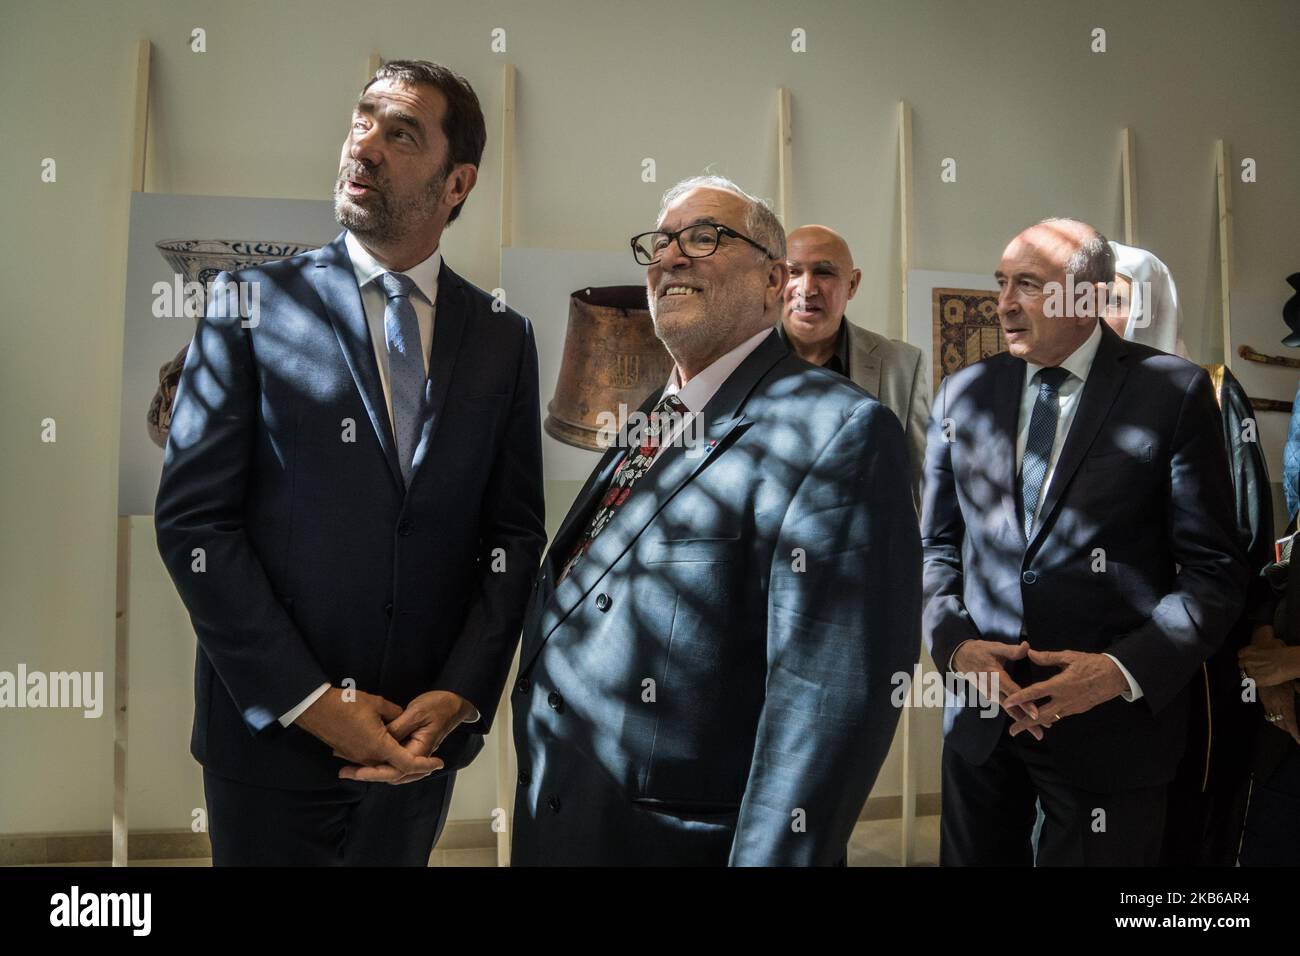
(1135, 551)
(711, 683)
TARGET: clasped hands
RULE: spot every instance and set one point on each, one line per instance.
(1085, 680)
(383, 742)
(1273, 665)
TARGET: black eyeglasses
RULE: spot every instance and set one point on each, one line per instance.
(696, 242)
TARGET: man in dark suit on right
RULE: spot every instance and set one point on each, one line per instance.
(1080, 549)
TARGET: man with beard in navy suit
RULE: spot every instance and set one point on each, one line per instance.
(360, 469)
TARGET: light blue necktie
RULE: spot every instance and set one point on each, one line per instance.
(406, 374)
(1038, 446)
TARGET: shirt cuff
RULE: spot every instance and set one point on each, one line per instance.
(307, 701)
(952, 660)
(1134, 692)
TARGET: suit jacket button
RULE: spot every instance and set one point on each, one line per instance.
(404, 527)
(388, 610)
(524, 778)
(603, 602)
(556, 702)
(523, 685)
(554, 803)
(1029, 577)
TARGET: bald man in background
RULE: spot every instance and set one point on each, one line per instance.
(822, 281)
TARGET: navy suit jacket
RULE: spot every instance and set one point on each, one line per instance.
(711, 683)
(317, 563)
(1135, 552)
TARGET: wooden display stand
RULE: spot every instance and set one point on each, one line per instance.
(122, 629)
(502, 819)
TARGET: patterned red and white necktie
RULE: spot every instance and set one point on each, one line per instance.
(634, 464)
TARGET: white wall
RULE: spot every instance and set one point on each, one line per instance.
(1007, 88)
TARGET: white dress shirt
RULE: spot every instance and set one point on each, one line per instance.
(696, 393)
(375, 301)
(1078, 364)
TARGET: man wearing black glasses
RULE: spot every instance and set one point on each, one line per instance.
(707, 658)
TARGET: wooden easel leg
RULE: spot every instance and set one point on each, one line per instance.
(784, 158)
(121, 687)
(1128, 164)
(1223, 177)
(505, 766)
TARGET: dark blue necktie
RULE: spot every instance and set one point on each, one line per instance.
(1038, 446)
(406, 374)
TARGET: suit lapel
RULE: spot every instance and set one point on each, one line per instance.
(676, 466)
(585, 503)
(574, 523)
(864, 362)
(668, 476)
(1008, 389)
(1105, 379)
(336, 284)
(448, 327)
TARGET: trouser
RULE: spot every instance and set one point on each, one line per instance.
(1272, 833)
(988, 814)
(349, 824)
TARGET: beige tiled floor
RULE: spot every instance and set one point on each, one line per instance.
(480, 857)
(204, 861)
(879, 843)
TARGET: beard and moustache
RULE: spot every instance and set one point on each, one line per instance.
(725, 316)
(384, 218)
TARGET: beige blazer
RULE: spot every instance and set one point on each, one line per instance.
(894, 374)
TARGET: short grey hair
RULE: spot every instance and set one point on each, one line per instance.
(1094, 259)
(761, 223)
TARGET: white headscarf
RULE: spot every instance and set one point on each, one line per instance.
(1159, 321)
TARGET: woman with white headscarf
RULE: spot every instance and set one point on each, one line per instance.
(1205, 811)
(1152, 316)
